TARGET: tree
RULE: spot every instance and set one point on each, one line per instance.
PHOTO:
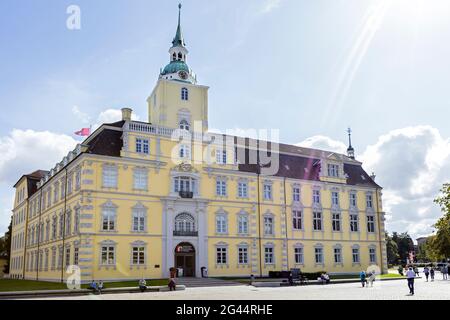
(441, 242)
(6, 250)
(392, 250)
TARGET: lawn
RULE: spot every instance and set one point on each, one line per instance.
(29, 285)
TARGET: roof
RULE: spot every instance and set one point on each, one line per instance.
(36, 175)
(108, 143)
(175, 66)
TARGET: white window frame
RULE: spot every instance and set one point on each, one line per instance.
(221, 223)
(242, 189)
(370, 223)
(299, 255)
(269, 254)
(354, 222)
(243, 254)
(142, 146)
(221, 187)
(297, 219)
(140, 179)
(110, 175)
(317, 219)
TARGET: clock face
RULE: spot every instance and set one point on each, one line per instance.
(183, 75)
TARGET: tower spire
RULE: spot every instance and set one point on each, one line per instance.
(350, 150)
(178, 40)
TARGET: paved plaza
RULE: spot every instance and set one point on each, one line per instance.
(382, 290)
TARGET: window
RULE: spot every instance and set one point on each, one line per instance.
(68, 223)
(56, 193)
(333, 170)
(140, 176)
(53, 258)
(63, 190)
(67, 257)
(221, 255)
(370, 223)
(142, 146)
(296, 194)
(354, 223)
(221, 187)
(372, 255)
(184, 184)
(221, 223)
(316, 196)
(267, 191)
(184, 125)
(221, 156)
(335, 198)
(243, 255)
(337, 255)
(317, 221)
(353, 201)
(138, 255)
(268, 226)
(76, 224)
(298, 253)
(369, 201)
(184, 222)
(139, 219)
(336, 222)
(243, 224)
(109, 176)
(184, 94)
(268, 255)
(75, 256)
(61, 225)
(60, 257)
(318, 252)
(355, 255)
(108, 255)
(54, 227)
(49, 197)
(185, 151)
(297, 219)
(70, 183)
(78, 179)
(242, 189)
(109, 219)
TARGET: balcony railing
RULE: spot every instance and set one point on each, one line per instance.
(177, 233)
(186, 194)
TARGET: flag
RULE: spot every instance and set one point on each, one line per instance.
(84, 132)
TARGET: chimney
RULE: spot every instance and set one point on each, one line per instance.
(126, 114)
(373, 176)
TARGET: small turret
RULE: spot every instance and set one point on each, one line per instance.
(350, 150)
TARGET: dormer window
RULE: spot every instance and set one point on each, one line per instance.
(333, 170)
(184, 94)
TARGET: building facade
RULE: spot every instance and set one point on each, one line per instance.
(137, 198)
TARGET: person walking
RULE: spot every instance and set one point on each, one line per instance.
(362, 277)
(372, 278)
(426, 271)
(410, 275)
(416, 271)
(444, 272)
(432, 273)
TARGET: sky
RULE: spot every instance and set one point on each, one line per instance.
(308, 68)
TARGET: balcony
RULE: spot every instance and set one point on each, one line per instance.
(177, 233)
(186, 194)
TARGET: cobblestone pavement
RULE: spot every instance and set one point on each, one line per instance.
(385, 290)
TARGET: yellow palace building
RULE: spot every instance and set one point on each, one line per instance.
(138, 198)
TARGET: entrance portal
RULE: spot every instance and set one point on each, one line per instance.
(185, 259)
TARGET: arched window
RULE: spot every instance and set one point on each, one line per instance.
(184, 222)
(184, 94)
(174, 56)
(180, 56)
(184, 125)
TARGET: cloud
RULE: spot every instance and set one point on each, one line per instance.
(24, 151)
(84, 117)
(270, 5)
(411, 165)
(113, 115)
(324, 143)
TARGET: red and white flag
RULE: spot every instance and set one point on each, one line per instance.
(83, 132)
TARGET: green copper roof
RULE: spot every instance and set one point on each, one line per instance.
(175, 66)
(178, 41)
